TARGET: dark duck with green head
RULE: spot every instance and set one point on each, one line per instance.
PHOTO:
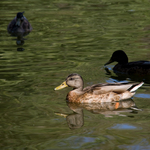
(137, 67)
(19, 24)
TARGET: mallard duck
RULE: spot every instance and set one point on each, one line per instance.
(130, 68)
(19, 24)
(107, 92)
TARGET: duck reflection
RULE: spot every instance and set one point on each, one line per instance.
(108, 109)
(75, 120)
(20, 40)
(19, 27)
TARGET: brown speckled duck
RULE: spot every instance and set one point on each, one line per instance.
(19, 24)
(107, 92)
(130, 68)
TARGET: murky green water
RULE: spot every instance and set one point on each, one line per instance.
(68, 37)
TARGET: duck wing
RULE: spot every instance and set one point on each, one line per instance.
(131, 68)
(26, 25)
(140, 63)
(114, 87)
(11, 25)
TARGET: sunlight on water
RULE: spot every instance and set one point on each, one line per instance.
(143, 95)
(141, 145)
(76, 141)
(124, 127)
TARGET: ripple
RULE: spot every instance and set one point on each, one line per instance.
(77, 141)
(143, 95)
(124, 127)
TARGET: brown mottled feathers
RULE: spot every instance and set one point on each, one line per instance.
(99, 92)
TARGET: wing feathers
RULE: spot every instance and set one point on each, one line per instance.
(116, 87)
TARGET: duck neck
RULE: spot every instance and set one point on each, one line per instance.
(123, 61)
(80, 89)
(74, 94)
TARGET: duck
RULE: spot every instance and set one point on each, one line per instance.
(19, 24)
(97, 93)
(131, 68)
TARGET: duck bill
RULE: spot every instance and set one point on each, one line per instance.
(109, 62)
(63, 85)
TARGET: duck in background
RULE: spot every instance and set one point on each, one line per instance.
(98, 93)
(131, 68)
(19, 24)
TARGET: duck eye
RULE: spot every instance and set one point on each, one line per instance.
(71, 78)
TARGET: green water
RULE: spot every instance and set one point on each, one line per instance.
(70, 37)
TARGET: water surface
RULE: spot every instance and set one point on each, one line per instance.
(70, 37)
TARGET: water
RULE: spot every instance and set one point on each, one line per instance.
(70, 37)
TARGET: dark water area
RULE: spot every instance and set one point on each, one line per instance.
(71, 37)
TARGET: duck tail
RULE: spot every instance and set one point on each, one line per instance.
(135, 87)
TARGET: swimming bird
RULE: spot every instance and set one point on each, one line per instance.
(19, 24)
(97, 93)
(137, 67)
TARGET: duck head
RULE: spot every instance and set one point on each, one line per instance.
(19, 18)
(73, 80)
(118, 56)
